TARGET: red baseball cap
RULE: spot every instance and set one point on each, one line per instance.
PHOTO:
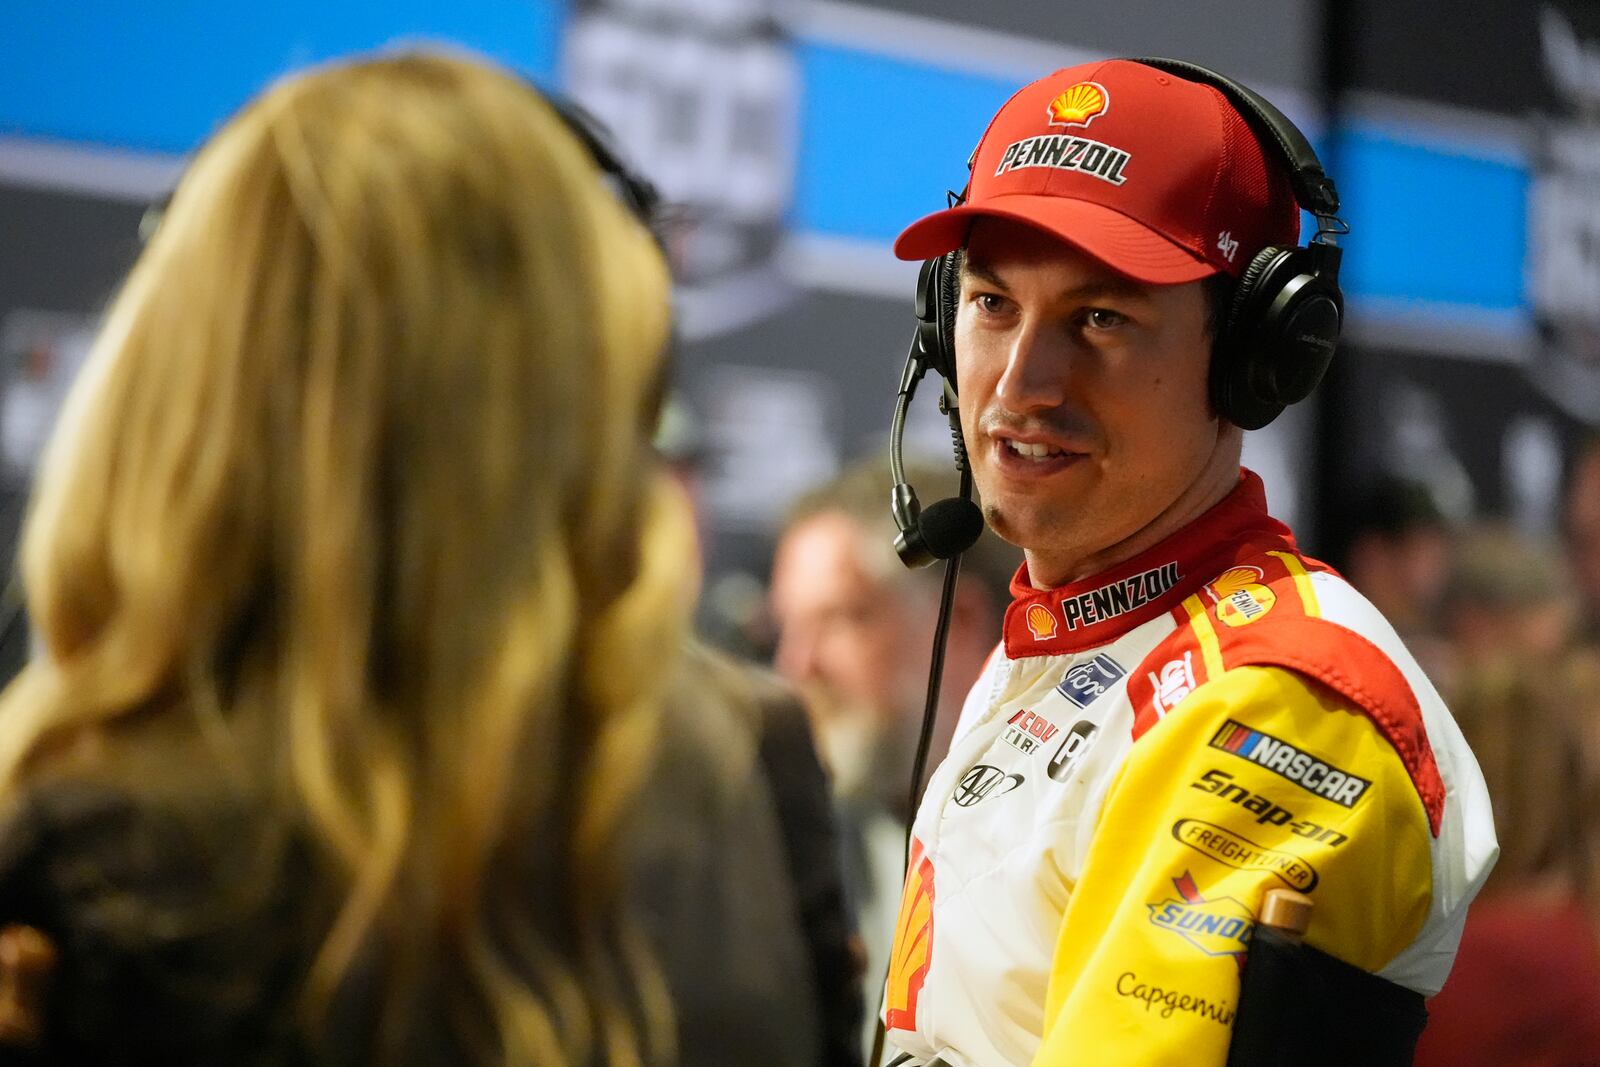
(1154, 175)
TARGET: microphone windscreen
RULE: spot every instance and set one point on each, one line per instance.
(950, 526)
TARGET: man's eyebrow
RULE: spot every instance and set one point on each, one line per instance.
(1111, 285)
(1108, 285)
(983, 272)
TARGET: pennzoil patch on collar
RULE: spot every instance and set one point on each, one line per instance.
(1116, 598)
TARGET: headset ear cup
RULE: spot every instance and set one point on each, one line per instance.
(1283, 328)
(938, 287)
(1236, 349)
(1306, 320)
(949, 292)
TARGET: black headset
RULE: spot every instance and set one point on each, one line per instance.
(1282, 324)
(637, 193)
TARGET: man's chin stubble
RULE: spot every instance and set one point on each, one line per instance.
(1044, 523)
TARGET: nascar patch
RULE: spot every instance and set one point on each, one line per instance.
(1315, 776)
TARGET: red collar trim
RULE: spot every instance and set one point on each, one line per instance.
(1097, 610)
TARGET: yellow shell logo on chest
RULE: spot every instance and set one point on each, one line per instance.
(1241, 600)
(1079, 105)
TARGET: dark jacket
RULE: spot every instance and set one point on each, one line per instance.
(185, 930)
(745, 706)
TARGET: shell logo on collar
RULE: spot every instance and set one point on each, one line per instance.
(1079, 104)
(1041, 622)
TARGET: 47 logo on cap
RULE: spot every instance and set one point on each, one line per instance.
(1079, 105)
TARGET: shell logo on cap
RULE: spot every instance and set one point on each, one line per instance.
(1041, 622)
(1079, 104)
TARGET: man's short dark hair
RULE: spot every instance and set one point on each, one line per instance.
(1219, 289)
(1394, 506)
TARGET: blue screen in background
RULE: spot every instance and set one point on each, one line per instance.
(162, 76)
(1429, 224)
(881, 139)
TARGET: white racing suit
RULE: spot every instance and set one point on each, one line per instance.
(1146, 754)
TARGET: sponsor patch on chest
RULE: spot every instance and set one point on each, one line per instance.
(1030, 732)
(1084, 683)
(1027, 731)
(982, 781)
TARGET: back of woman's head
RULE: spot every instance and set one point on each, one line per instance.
(358, 470)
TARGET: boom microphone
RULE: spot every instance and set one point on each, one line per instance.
(948, 527)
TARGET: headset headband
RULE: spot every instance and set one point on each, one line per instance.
(1313, 189)
(633, 188)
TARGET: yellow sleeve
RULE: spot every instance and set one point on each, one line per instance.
(1260, 779)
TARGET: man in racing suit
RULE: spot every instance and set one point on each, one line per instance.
(1185, 711)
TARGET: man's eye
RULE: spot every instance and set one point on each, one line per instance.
(991, 303)
(1104, 318)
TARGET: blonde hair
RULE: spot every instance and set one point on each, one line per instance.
(359, 467)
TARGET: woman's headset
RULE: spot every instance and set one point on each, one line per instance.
(1282, 324)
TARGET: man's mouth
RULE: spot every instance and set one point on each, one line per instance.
(1037, 458)
(1031, 450)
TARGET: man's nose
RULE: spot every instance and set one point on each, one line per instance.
(795, 658)
(1035, 375)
